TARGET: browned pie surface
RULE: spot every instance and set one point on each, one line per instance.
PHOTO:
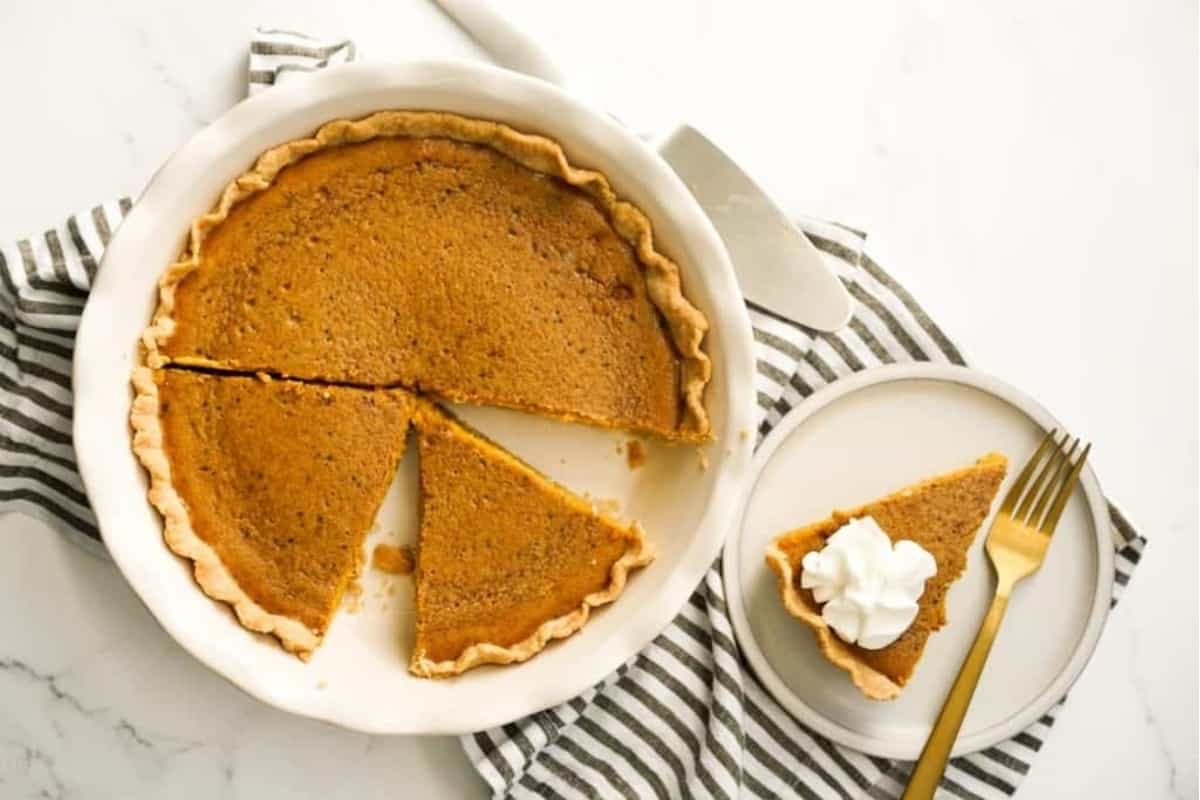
(436, 265)
(282, 480)
(502, 550)
(942, 514)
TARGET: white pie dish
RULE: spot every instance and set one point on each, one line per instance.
(358, 678)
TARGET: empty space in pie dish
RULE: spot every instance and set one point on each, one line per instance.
(587, 461)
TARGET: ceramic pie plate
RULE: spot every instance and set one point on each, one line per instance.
(868, 435)
(358, 678)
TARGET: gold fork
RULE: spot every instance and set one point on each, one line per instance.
(1016, 546)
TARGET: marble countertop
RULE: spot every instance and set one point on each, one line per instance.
(1014, 163)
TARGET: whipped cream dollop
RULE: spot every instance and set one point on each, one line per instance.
(867, 586)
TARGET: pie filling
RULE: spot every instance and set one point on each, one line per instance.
(942, 516)
(409, 253)
(508, 560)
(446, 255)
(269, 486)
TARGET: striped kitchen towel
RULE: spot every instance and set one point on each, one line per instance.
(684, 718)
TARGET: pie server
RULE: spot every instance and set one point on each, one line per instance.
(777, 267)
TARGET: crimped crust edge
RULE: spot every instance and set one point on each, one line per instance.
(211, 574)
(871, 682)
(686, 323)
(639, 555)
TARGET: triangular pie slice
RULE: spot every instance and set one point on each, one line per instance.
(444, 254)
(942, 514)
(269, 487)
(507, 560)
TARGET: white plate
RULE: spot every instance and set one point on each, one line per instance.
(868, 435)
(358, 677)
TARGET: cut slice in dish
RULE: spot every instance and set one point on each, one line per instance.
(507, 559)
(942, 515)
(269, 487)
(444, 254)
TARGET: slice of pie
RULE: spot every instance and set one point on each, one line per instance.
(507, 560)
(444, 254)
(269, 487)
(942, 515)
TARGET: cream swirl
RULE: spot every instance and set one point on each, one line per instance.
(867, 586)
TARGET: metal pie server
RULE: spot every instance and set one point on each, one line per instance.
(777, 267)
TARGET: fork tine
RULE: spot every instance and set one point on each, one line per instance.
(1064, 465)
(1064, 494)
(1052, 463)
(1018, 486)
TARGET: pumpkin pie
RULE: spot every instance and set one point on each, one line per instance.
(444, 254)
(941, 514)
(269, 487)
(507, 559)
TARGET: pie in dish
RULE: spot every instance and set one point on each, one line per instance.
(338, 286)
(941, 514)
(447, 255)
(269, 487)
(507, 559)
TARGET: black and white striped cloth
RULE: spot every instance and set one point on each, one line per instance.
(278, 55)
(685, 717)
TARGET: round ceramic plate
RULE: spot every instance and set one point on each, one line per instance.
(358, 678)
(868, 435)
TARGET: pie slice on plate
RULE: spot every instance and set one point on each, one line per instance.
(507, 559)
(269, 487)
(942, 515)
(448, 255)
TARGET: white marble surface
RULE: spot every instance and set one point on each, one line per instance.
(1016, 163)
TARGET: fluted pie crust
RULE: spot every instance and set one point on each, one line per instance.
(558, 544)
(263, 511)
(210, 572)
(676, 327)
(686, 325)
(943, 515)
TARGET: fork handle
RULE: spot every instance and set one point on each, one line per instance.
(929, 768)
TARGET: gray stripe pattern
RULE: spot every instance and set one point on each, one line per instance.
(276, 55)
(43, 280)
(684, 718)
